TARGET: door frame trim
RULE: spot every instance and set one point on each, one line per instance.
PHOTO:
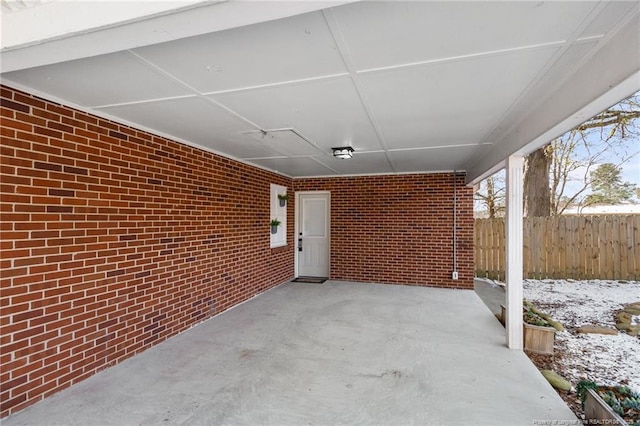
(296, 228)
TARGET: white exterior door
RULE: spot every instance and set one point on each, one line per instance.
(313, 234)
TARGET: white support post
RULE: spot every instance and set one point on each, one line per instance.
(514, 247)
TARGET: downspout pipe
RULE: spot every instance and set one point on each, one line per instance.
(454, 274)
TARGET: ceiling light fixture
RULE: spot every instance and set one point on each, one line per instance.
(344, 152)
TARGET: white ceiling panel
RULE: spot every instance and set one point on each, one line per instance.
(271, 52)
(297, 166)
(611, 14)
(568, 61)
(195, 120)
(242, 147)
(285, 142)
(412, 86)
(328, 112)
(383, 34)
(101, 80)
(360, 163)
(449, 103)
(435, 159)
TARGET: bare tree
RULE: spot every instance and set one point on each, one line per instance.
(491, 195)
(550, 170)
(537, 201)
(575, 157)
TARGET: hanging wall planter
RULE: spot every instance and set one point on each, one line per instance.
(274, 225)
(283, 199)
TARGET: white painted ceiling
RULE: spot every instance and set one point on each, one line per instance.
(411, 86)
(11, 6)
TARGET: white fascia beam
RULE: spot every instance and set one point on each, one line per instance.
(75, 31)
(514, 252)
(607, 77)
(59, 19)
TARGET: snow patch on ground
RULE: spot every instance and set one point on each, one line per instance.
(619, 209)
(608, 360)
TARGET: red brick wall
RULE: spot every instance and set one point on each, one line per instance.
(113, 240)
(398, 228)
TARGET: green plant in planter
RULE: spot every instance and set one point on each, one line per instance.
(631, 403)
(533, 316)
(534, 319)
(612, 400)
(582, 387)
(274, 225)
(283, 199)
(622, 400)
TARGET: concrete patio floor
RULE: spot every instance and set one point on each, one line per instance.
(322, 354)
(492, 294)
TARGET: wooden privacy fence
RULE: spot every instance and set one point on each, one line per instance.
(576, 247)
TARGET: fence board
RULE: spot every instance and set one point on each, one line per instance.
(577, 247)
(537, 265)
(595, 249)
(485, 244)
(609, 253)
(621, 230)
(588, 247)
(633, 233)
(544, 237)
(602, 243)
(552, 248)
(580, 247)
(482, 267)
(526, 255)
(562, 248)
(477, 249)
(487, 247)
(495, 250)
(502, 253)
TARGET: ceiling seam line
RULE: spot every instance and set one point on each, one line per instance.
(588, 39)
(264, 144)
(336, 34)
(156, 68)
(141, 127)
(433, 172)
(462, 58)
(145, 101)
(619, 26)
(193, 89)
(218, 104)
(324, 165)
(423, 148)
(285, 129)
(571, 40)
(279, 84)
(232, 112)
(305, 138)
(315, 155)
(597, 9)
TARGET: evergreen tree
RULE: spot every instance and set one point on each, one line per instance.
(607, 186)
